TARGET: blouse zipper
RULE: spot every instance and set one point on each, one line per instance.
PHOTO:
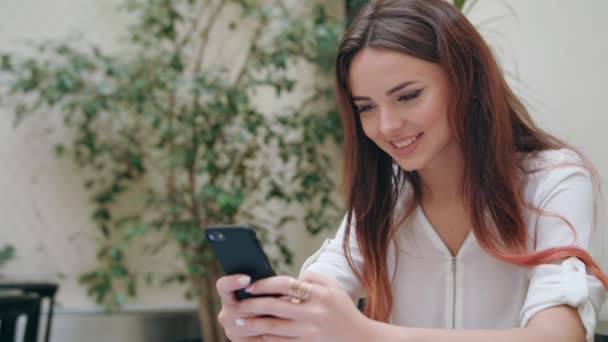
(453, 292)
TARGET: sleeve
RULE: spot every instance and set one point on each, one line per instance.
(569, 193)
(330, 260)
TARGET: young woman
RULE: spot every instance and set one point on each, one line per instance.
(465, 221)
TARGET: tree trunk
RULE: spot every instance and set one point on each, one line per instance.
(205, 320)
(211, 331)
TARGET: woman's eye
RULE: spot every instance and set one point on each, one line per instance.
(410, 96)
(364, 108)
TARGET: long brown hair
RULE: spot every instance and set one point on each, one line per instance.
(491, 125)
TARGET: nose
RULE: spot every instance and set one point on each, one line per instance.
(390, 123)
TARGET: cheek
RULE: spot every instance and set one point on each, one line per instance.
(433, 119)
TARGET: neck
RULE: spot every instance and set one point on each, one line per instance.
(442, 178)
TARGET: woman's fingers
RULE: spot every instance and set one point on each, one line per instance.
(227, 285)
(261, 326)
(271, 286)
(278, 285)
(271, 318)
(263, 306)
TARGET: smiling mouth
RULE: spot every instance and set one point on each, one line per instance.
(406, 143)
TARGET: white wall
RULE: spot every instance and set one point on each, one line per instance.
(43, 206)
(555, 52)
(44, 209)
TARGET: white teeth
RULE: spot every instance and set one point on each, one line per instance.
(405, 143)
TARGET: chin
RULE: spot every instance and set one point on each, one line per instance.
(410, 165)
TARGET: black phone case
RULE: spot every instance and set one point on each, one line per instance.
(240, 252)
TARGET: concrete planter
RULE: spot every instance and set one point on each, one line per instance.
(129, 325)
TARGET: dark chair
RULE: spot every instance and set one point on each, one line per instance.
(14, 306)
(42, 290)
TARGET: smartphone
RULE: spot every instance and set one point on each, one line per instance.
(238, 251)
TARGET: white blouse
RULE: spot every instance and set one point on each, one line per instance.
(433, 289)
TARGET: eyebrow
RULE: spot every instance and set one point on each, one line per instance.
(388, 93)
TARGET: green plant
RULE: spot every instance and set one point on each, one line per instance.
(169, 141)
(352, 6)
(460, 3)
(6, 254)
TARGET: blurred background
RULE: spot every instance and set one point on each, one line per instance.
(127, 125)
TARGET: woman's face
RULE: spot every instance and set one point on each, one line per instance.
(402, 102)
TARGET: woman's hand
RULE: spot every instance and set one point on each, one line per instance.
(328, 315)
(228, 317)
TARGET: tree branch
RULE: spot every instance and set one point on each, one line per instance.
(190, 32)
(205, 36)
(244, 68)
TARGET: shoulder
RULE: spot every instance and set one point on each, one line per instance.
(550, 159)
(546, 172)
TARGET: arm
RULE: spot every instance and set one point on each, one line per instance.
(330, 260)
(541, 328)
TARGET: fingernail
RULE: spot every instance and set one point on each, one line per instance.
(240, 322)
(249, 289)
(244, 280)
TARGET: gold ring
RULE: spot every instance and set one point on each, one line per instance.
(299, 291)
